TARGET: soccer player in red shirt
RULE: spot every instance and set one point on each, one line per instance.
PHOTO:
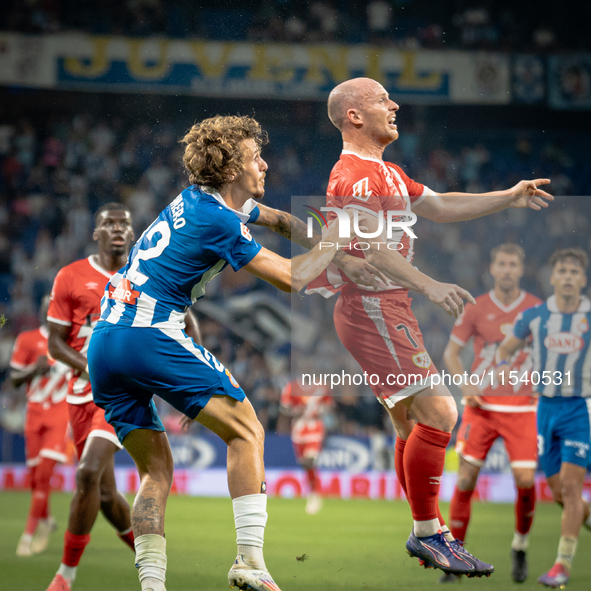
(45, 426)
(307, 404)
(73, 311)
(494, 410)
(379, 329)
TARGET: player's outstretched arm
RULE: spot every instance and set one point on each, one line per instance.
(453, 362)
(391, 263)
(358, 269)
(293, 274)
(459, 207)
(60, 350)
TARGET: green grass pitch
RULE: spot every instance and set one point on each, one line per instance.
(351, 545)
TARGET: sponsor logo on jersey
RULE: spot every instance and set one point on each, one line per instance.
(124, 292)
(507, 328)
(361, 189)
(92, 285)
(245, 231)
(422, 359)
(583, 325)
(490, 316)
(563, 343)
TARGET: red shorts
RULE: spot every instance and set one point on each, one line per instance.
(382, 334)
(88, 420)
(45, 432)
(480, 428)
(306, 451)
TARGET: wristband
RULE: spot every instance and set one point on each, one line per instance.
(503, 362)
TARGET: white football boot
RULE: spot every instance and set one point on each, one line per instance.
(247, 578)
(41, 539)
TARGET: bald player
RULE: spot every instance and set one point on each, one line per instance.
(379, 328)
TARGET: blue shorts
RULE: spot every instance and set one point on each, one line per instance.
(129, 365)
(564, 432)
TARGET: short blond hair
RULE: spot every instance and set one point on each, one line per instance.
(508, 248)
(213, 156)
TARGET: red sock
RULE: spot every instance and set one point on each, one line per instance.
(313, 480)
(524, 509)
(399, 462)
(440, 517)
(73, 548)
(424, 459)
(459, 513)
(128, 538)
(40, 477)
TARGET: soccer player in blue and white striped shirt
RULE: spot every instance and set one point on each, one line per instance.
(561, 375)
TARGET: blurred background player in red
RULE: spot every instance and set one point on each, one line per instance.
(46, 426)
(493, 410)
(379, 329)
(307, 404)
(73, 311)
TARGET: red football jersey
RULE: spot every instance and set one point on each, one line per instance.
(311, 401)
(373, 186)
(489, 322)
(76, 302)
(48, 389)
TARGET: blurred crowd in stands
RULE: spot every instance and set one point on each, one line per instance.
(462, 24)
(56, 170)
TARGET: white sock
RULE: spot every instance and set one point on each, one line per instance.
(520, 541)
(423, 529)
(446, 533)
(68, 572)
(250, 519)
(27, 537)
(150, 561)
(566, 551)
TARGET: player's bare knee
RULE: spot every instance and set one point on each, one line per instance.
(108, 495)
(308, 463)
(436, 409)
(467, 475)
(524, 481)
(87, 476)
(570, 491)
(465, 485)
(257, 434)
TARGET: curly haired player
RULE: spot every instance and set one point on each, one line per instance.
(140, 346)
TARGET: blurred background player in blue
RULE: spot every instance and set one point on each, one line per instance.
(561, 355)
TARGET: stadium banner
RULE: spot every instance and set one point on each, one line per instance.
(229, 69)
(569, 81)
(529, 79)
(339, 453)
(494, 488)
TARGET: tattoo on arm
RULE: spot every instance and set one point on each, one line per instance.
(288, 226)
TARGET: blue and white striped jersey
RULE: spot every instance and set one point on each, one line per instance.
(560, 347)
(189, 243)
